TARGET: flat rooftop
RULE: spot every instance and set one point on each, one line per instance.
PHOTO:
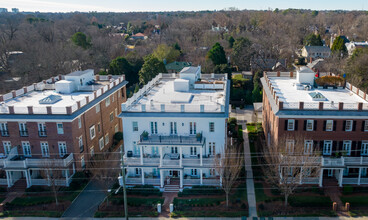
(286, 91)
(210, 94)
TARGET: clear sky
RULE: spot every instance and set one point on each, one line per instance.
(175, 5)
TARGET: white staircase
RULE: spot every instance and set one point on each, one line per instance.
(171, 188)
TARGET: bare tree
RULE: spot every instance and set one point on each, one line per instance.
(53, 173)
(228, 167)
(288, 162)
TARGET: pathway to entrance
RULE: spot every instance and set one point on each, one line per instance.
(332, 190)
(169, 198)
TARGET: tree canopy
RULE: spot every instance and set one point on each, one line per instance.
(338, 46)
(151, 67)
(80, 39)
(165, 52)
(121, 65)
(217, 54)
(313, 40)
(242, 53)
(357, 68)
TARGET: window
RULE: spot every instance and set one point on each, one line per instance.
(364, 171)
(41, 130)
(174, 150)
(107, 139)
(192, 128)
(291, 125)
(327, 147)
(365, 125)
(290, 146)
(92, 132)
(173, 128)
(211, 148)
(80, 142)
(135, 126)
(111, 116)
(212, 172)
(101, 143)
(45, 149)
(98, 108)
(138, 171)
(346, 172)
(136, 150)
(154, 150)
(348, 125)
(116, 112)
(153, 127)
(329, 125)
(113, 97)
(23, 131)
(364, 148)
(79, 122)
(212, 126)
(308, 146)
(92, 151)
(193, 151)
(26, 149)
(60, 128)
(309, 126)
(107, 101)
(194, 172)
(62, 148)
(4, 129)
(83, 163)
(7, 147)
(346, 147)
(116, 128)
(99, 127)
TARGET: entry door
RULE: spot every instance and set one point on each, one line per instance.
(174, 150)
(175, 173)
(330, 172)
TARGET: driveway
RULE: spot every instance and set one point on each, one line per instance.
(85, 205)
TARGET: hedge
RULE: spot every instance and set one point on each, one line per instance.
(201, 190)
(310, 201)
(143, 190)
(202, 202)
(137, 201)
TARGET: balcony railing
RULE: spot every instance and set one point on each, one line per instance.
(171, 140)
(42, 133)
(23, 133)
(37, 163)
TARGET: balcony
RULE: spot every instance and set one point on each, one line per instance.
(171, 140)
(23, 133)
(42, 133)
(333, 162)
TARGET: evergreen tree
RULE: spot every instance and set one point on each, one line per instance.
(151, 67)
(217, 54)
(231, 41)
(242, 53)
(313, 40)
(120, 65)
(338, 46)
(80, 39)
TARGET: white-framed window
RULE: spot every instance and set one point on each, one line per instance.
(80, 142)
(116, 128)
(193, 151)
(136, 149)
(346, 172)
(116, 112)
(212, 172)
(291, 125)
(192, 128)
(308, 146)
(348, 125)
(309, 126)
(330, 172)
(45, 149)
(107, 101)
(99, 127)
(193, 172)
(173, 128)
(107, 139)
(364, 148)
(79, 122)
(346, 147)
(41, 129)
(174, 150)
(135, 126)
(327, 147)
(23, 131)
(211, 148)
(83, 163)
(113, 97)
(98, 108)
(62, 148)
(60, 128)
(138, 171)
(212, 126)
(92, 151)
(92, 132)
(101, 143)
(4, 129)
(7, 147)
(290, 146)
(154, 150)
(26, 148)
(153, 127)
(329, 125)
(365, 125)
(111, 116)
(363, 171)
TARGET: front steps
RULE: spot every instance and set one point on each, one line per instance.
(172, 188)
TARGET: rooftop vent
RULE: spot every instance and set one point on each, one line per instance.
(317, 96)
(51, 99)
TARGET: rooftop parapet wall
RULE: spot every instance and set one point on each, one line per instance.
(288, 105)
(111, 82)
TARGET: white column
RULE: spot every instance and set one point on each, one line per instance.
(360, 175)
(341, 176)
(161, 156)
(8, 178)
(162, 178)
(11, 178)
(141, 149)
(181, 173)
(73, 168)
(27, 179)
(181, 155)
(142, 174)
(201, 155)
(67, 177)
(201, 176)
(321, 177)
(301, 175)
(220, 180)
(30, 178)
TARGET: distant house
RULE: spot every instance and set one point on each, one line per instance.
(316, 52)
(317, 65)
(268, 64)
(219, 28)
(139, 36)
(176, 67)
(351, 46)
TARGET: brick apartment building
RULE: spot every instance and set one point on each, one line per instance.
(61, 121)
(333, 120)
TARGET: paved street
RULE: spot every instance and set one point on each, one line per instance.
(85, 205)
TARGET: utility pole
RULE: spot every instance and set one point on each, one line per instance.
(124, 186)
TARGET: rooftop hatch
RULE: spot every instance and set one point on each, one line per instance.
(51, 99)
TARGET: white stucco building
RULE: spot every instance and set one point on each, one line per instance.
(174, 128)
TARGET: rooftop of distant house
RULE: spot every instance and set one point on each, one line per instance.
(188, 91)
(138, 35)
(317, 49)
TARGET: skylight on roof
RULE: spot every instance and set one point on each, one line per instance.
(317, 96)
(51, 99)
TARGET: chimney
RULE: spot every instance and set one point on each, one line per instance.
(310, 59)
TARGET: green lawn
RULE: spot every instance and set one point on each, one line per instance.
(137, 201)
(310, 201)
(355, 200)
(55, 214)
(101, 214)
(209, 213)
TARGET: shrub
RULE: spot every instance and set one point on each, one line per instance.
(232, 121)
(143, 190)
(37, 189)
(348, 189)
(261, 206)
(201, 190)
